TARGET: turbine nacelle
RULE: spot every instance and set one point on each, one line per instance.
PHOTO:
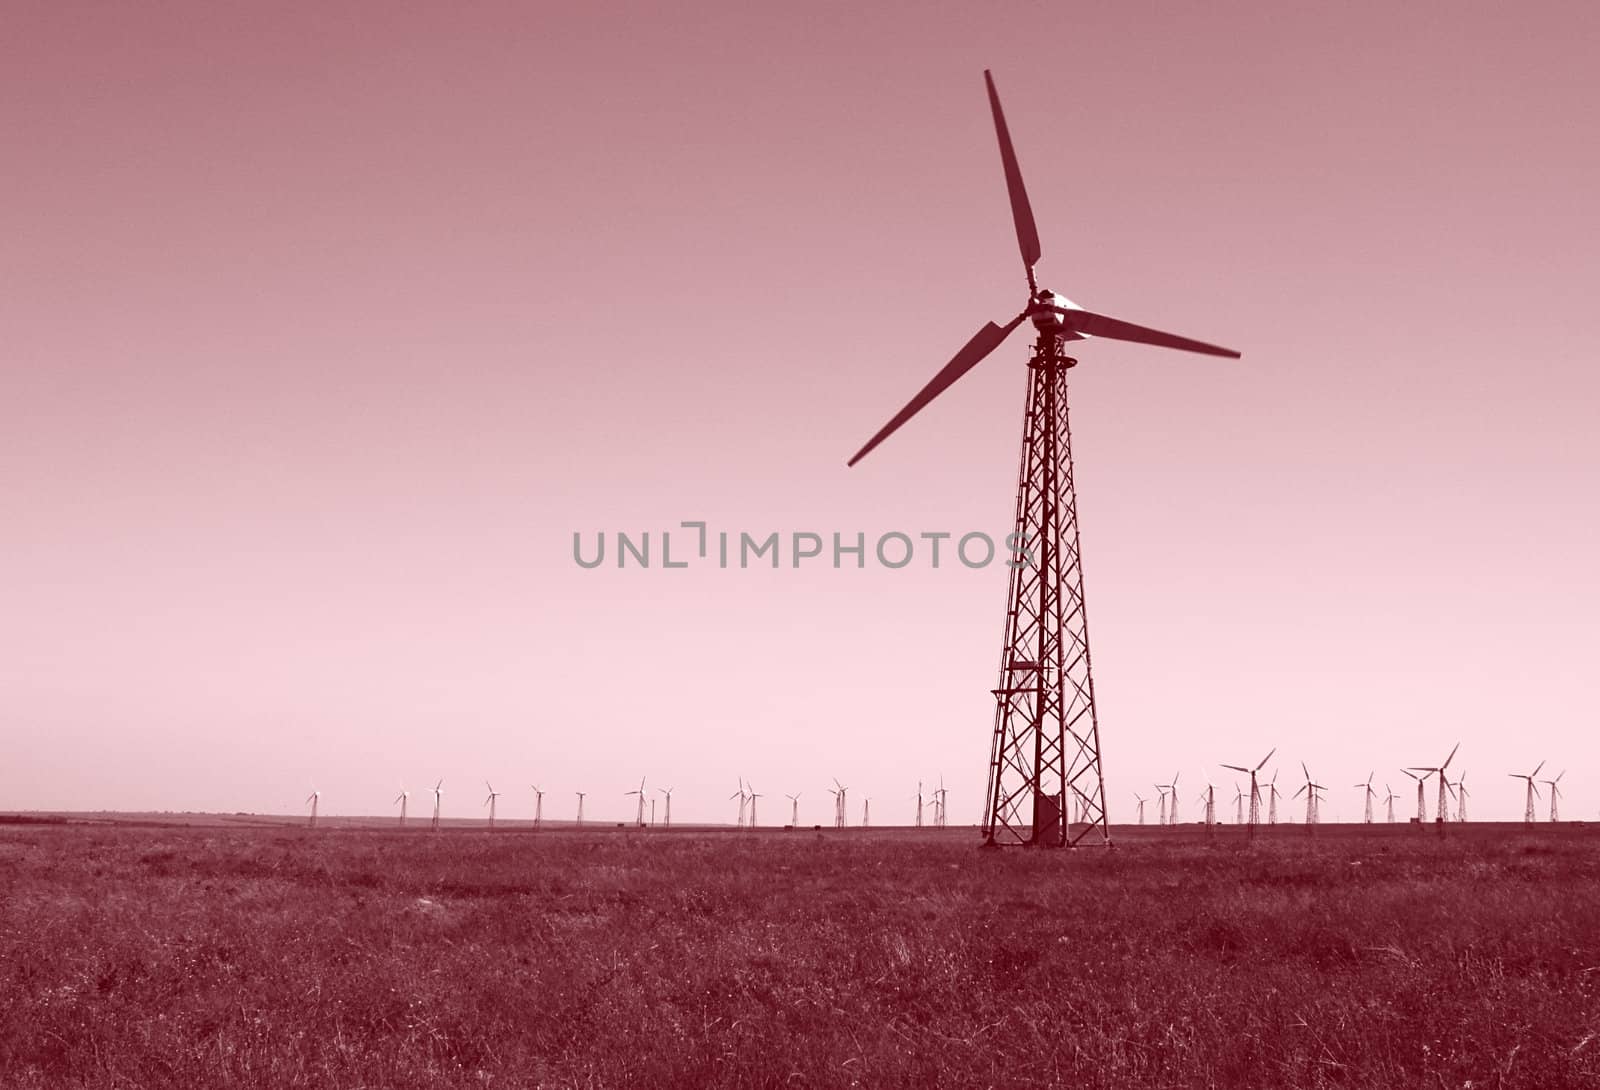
(1050, 313)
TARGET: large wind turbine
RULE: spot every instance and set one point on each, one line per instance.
(666, 821)
(538, 806)
(402, 798)
(1142, 801)
(438, 790)
(1389, 801)
(794, 809)
(313, 799)
(580, 795)
(1046, 735)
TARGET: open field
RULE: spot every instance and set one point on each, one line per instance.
(215, 955)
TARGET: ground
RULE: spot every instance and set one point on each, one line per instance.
(206, 955)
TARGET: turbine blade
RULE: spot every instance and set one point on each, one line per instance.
(1236, 768)
(1021, 211)
(1267, 758)
(1099, 325)
(1450, 758)
(972, 353)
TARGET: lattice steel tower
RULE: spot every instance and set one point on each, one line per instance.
(1046, 741)
(1046, 744)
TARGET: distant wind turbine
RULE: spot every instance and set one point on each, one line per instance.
(1444, 807)
(438, 790)
(1367, 788)
(1255, 789)
(639, 820)
(538, 806)
(490, 801)
(402, 798)
(1555, 796)
(312, 799)
(1528, 814)
(667, 817)
(580, 795)
(794, 812)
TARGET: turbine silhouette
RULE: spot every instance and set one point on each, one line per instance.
(1046, 740)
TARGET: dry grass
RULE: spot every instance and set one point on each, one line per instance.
(279, 958)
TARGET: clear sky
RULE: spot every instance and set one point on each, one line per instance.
(323, 327)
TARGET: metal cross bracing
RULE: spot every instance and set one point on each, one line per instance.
(1046, 743)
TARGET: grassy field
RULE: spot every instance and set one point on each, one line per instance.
(276, 957)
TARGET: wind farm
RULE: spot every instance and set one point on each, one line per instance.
(589, 403)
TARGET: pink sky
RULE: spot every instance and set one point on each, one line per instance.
(322, 331)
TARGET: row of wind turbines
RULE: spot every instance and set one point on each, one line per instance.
(747, 797)
(1167, 798)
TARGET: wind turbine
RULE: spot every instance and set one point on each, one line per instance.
(866, 813)
(842, 820)
(1422, 802)
(919, 805)
(666, 821)
(1461, 797)
(580, 795)
(402, 798)
(1172, 808)
(1367, 787)
(794, 809)
(438, 790)
(743, 800)
(1046, 730)
(1255, 790)
(1528, 814)
(1142, 801)
(753, 798)
(1389, 801)
(1310, 788)
(312, 799)
(1272, 798)
(490, 801)
(1555, 796)
(1238, 804)
(1209, 797)
(1161, 803)
(639, 819)
(939, 807)
(1444, 808)
(538, 806)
